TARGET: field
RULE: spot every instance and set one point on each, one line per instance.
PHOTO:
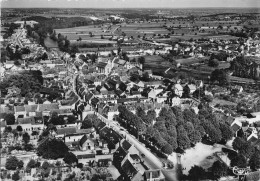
(156, 63)
(148, 29)
(85, 32)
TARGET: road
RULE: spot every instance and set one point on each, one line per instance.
(152, 161)
(18, 39)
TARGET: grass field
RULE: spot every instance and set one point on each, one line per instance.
(84, 32)
(156, 63)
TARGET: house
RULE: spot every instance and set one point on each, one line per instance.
(178, 90)
(149, 72)
(132, 169)
(237, 88)
(104, 68)
(236, 125)
(87, 143)
(252, 137)
(29, 124)
(154, 92)
(46, 108)
(111, 136)
(19, 111)
(72, 138)
(191, 88)
(199, 83)
(31, 109)
(61, 132)
(118, 62)
(153, 175)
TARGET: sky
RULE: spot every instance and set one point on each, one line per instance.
(128, 3)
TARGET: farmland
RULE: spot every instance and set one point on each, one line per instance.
(156, 63)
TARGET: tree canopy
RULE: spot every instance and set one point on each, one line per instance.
(12, 163)
(70, 158)
(52, 149)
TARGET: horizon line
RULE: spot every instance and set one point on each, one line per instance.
(130, 7)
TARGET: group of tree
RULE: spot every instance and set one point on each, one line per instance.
(242, 67)
(10, 29)
(247, 154)
(174, 128)
(215, 172)
(27, 81)
(12, 163)
(51, 148)
(56, 119)
(221, 76)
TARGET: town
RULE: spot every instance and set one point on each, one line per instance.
(129, 95)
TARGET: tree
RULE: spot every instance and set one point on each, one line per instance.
(19, 128)
(8, 129)
(86, 124)
(186, 92)
(196, 173)
(141, 60)
(12, 163)
(214, 133)
(146, 77)
(9, 118)
(254, 161)
(152, 114)
(70, 158)
(167, 149)
(239, 161)
(45, 165)
(178, 114)
(134, 77)
(182, 139)
(219, 169)
(189, 127)
(207, 98)
(195, 137)
(227, 133)
(140, 112)
(16, 176)
(238, 143)
(173, 142)
(26, 138)
(52, 149)
(31, 164)
(213, 63)
(247, 150)
(220, 76)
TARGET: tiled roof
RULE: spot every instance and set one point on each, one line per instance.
(94, 101)
(126, 145)
(123, 100)
(48, 107)
(154, 173)
(88, 96)
(129, 169)
(66, 130)
(61, 111)
(83, 140)
(30, 108)
(86, 156)
(29, 120)
(101, 64)
(101, 125)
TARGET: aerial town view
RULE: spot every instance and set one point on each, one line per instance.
(130, 90)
